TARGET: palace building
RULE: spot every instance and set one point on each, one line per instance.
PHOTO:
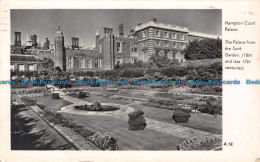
(111, 49)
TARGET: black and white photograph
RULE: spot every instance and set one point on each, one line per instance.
(116, 79)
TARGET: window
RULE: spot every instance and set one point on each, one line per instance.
(182, 46)
(174, 35)
(166, 34)
(133, 47)
(82, 62)
(89, 63)
(118, 60)
(100, 62)
(145, 43)
(21, 67)
(12, 67)
(166, 43)
(57, 45)
(31, 67)
(182, 36)
(96, 62)
(119, 47)
(157, 43)
(174, 44)
(100, 48)
(144, 33)
(157, 33)
(70, 62)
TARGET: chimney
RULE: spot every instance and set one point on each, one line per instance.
(47, 43)
(17, 37)
(139, 24)
(154, 20)
(75, 42)
(34, 40)
(121, 29)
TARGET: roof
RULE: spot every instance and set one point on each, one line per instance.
(25, 58)
(204, 35)
(161, 25)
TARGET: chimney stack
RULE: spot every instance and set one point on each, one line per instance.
(17, 37)
(75, 42)
(154, 20)
(121, 29)
(34, 40)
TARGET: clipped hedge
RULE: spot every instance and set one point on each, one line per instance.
(55, 96)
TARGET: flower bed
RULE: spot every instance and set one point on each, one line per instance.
(28, 101)
(200, 143)
(103, 141)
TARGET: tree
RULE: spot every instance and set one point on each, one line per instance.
(204, 49)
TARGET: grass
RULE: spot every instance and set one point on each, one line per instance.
(146, 139)
(51, 104)
(199, 121)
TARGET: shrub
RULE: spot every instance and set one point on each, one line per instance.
(55, 96)
(82, 94)
(180, 116)
(212, 106)
(95, 84)
(136, 120)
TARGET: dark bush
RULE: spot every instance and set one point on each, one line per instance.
(82, 94)
(136, 120)
(55, 96)
(180, 116)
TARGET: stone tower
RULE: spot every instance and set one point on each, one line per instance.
(59, 55)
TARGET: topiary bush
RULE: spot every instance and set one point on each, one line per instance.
(82, 94)
(180, 116)
(55, 96)
(136, 120)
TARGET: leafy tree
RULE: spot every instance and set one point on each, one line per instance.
(204, 49)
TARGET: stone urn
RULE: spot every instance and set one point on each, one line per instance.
(96, 106)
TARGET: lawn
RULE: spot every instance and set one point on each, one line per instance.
(52, 104)
(146, 139)
(199, 121)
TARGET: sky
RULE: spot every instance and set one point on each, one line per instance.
(84, 23)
